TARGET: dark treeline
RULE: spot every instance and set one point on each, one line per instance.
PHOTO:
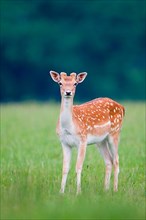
(104, 38)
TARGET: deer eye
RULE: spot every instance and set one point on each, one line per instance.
(75, 84)
(60, 83)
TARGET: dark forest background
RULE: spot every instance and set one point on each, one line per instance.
(104, 38)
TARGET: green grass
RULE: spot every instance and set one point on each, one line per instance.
(31, 165)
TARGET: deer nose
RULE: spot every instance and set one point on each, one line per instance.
(68, 93)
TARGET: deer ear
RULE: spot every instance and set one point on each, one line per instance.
(55, 76)
(81, 77)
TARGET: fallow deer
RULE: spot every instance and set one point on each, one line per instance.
(95, 122)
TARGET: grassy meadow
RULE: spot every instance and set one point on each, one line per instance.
(31, 166)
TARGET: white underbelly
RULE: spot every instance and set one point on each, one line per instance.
(92, 139)
(72, 140)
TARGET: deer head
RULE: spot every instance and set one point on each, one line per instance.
(68, 83)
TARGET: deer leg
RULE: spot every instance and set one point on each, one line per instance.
(116, 173)
(113, 142)
(103, 148)
(66, 166)
(79, 164)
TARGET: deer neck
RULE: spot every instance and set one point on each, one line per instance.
(66, 113)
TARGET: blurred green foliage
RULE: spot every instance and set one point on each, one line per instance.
(104, 38)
